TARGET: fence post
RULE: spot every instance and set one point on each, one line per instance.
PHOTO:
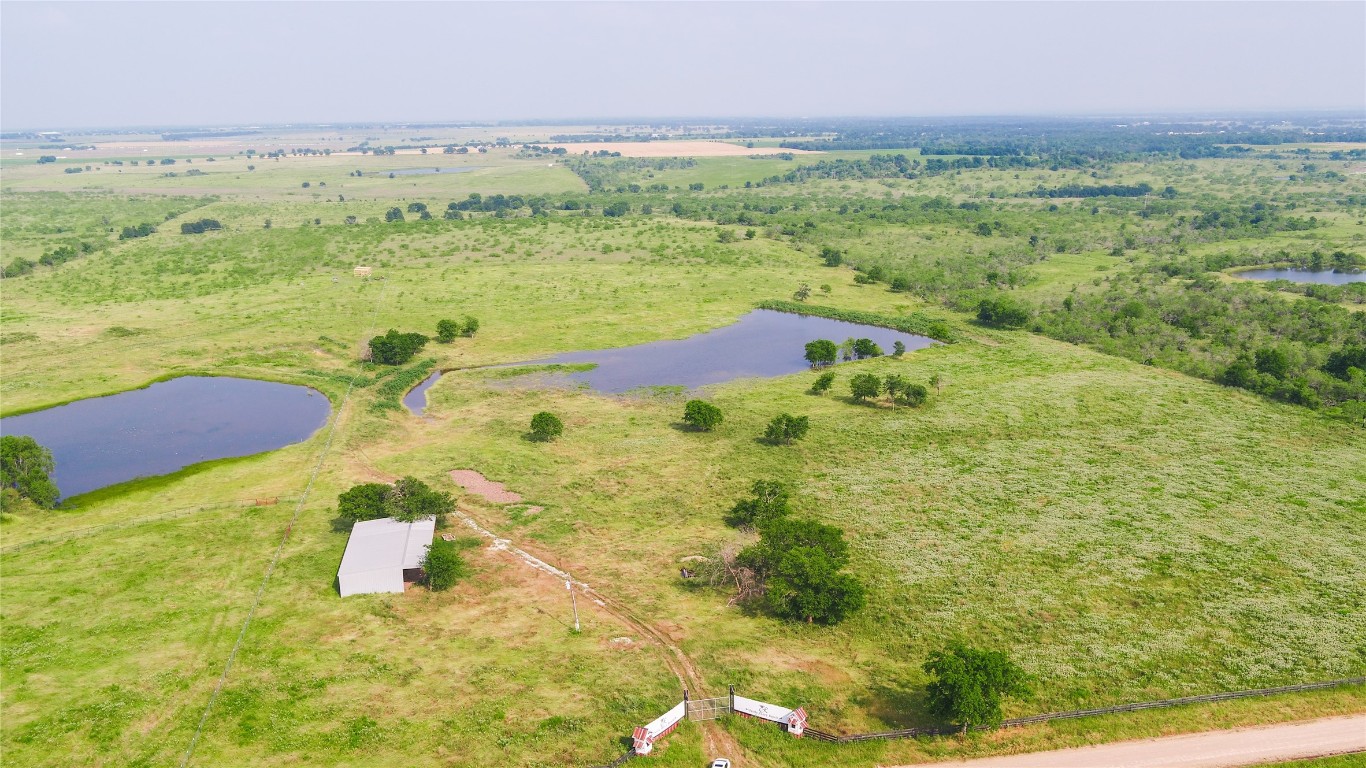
(732, 699)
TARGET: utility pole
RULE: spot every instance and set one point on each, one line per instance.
(569, 585)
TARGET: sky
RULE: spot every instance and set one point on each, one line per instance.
(113, 64)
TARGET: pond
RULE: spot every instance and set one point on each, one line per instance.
(170, 425)
(1323, 277)
(424, 171)
(416, 399)
(762, 343)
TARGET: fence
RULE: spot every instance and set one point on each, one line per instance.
(94, 530)
(910, 733)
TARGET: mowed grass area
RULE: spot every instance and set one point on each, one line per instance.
(1124, 532)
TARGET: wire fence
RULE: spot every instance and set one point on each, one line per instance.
(95, 530)
(910, 733)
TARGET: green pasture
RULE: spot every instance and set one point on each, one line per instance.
(1124, 532)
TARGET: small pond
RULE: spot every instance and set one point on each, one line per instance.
(424, 171)
(416, 399)
(762, 343)
(172, 424)
(1323, 277)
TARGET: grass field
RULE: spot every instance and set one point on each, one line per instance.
(1124, 532)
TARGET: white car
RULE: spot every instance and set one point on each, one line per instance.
(720, 762)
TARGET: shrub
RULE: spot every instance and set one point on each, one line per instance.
(443, 565)
(785, 428)
(702, 415)
(546, 426)
(822, 383)
(447, 330)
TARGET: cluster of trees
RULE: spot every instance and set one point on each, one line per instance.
(394, 348)
(900, 390)
(1102, 190)
(612, 175)
(823, 352)
(44, 159)
(142, 230)
(199, 227)
(1237, 334)
(493, 203)
(795, 570)
(25, 473)
(407, 500)
(448, 330)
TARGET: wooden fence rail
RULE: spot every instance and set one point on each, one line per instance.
(910, 733)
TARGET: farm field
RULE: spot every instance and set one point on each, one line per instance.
(1122, 525)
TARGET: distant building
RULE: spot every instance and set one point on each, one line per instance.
(382, 554)
(362, 271)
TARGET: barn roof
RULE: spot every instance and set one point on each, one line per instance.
(385, 544)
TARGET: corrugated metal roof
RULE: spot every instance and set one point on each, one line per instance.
(386, 543)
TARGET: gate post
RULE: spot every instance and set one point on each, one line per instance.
(732, 699)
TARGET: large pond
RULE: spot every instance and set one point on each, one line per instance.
(762, 343)
(1323, 277)
(170, 425)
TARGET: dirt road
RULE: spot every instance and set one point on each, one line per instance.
(1214, 749)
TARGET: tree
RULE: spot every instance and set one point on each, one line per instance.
(832, 256)
(769, 502)
(1002, 312)
(443, 565)
(447, 330)
(807, 586)
(864, 386)
(546, 426)
(786, 428)
(821, 352)
(969, 684)
(1273, 362)
(393, 214)
(411, 499)
(394, 348)
(417, 207)
(866, 348)
(470, 326)
(701, 415)
(803, 292)
(25, 468)
(822, 383)
(898, 348)
(937, 381)
(362, 502)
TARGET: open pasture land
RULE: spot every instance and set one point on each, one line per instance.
(1123, 531)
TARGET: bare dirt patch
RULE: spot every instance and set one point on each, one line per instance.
(677, 149)
(477, 484)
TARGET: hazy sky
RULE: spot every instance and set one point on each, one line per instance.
(68, 64)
